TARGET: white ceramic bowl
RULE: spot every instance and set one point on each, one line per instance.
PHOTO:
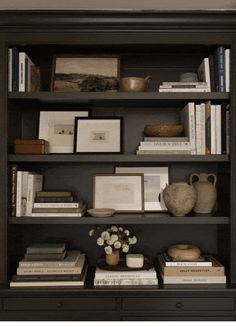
(101, 212)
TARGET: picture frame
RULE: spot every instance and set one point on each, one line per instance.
(122, 192)
(155, 180)
(57, 127)
(98, 135)
(73, 73)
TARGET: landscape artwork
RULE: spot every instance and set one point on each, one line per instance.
(85, 74)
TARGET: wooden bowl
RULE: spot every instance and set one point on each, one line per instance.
(163, 130)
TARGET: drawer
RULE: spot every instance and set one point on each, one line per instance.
(172, 304)
(86, 303)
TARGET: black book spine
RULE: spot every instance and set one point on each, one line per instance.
(46, 199)
(13, 190)
(15, 70)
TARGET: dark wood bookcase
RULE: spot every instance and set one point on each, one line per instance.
(160, 44)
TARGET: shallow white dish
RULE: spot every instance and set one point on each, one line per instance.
(102, 212)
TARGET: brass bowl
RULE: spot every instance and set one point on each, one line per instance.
(134, 84)
(163, 130)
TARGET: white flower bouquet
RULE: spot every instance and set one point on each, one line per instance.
(114, 239)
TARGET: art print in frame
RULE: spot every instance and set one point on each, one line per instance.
(57, 127)
(98, 135)
(122, 192)
(155, 180)
(78, 73)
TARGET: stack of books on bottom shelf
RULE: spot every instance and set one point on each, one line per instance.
(50, 265)
(57, 204)
(109, 278)
(206, 270)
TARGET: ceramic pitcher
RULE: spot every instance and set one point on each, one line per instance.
(206, 192)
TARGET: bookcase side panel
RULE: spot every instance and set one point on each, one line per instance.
(3, 163)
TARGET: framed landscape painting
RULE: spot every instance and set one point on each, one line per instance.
(73, 73)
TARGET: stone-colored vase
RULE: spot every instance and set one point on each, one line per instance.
(206, 192)
(180, 198)
(113, 258)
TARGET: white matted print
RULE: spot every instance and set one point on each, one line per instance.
(155, 180)
(122, 192)
(57, 127)
(98, 135)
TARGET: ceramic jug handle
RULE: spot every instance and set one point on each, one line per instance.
(191, 177)
(214, 178)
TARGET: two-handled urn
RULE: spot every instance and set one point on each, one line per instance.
(180, 197)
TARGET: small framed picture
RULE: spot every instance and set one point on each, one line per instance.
(74, 73)
(122, 192)
(57, 127)
(155, 180)
(98, 135)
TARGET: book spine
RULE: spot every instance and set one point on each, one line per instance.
(194, 280)
(165, 139)
(166, 145)
(185, 83)
(227, 70)
(192, 126)
(47, 283)
(124, 275)
(163, 152)
(46, 264)
(218, 130)
(198, 129)
(208, 127)
(57, 205)
(213, 129)
(54, 199)
(173, 90)
(49, 271)
(18, 193)
(220, 85)
(56, 215)
(57, 210)
(53, 194)
(125, 282)
(10, 70)
(207, 73)
(15, 70)
(29, 201)
(203, 131)
(168, 263)
(22, 70)
(35, 278)
(13, 189)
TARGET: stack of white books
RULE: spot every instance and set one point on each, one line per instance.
(184, 87)
(125, 278)
(50, 265)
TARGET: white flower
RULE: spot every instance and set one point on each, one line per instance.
(114, 238)
(134, 240)
(91, 232)
(121, 229)
(114, 229)
(100, 241)
(117, 245)
(108, 250)
(125, 248)
(105, 235)
(130, 240)
(127, 232)
(110, 241)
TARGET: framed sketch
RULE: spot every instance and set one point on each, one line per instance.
(84, 73)
(155, 180)
(98, 135)
(57, 127)
(122, 192)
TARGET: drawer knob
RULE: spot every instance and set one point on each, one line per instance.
(59, 304)
(179, 305)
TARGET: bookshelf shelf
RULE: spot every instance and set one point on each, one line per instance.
(116, 158)
(137, 219)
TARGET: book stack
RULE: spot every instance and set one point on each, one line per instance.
(23, 75)
(206, 131)
(108, 278)
(213, 75)
(47, 264)
(57, 204)
(206, 270)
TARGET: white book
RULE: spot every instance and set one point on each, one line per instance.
(167, 145)
(165, 139)
(194, 279)
(218, 130)
(57, 205)
(173, 90)
(202, 84)
(10, 70)
(125, 282)
(163, 147)
(188, 121)
(227, 70)
(203, 128)
(198, 128)
(57, 214)
(77, 269)
(213, 129)
(204, 73)
(35, 184)
(161, 152)
(70, 261)
(22, 71)
(111, 275)
(18, 192)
